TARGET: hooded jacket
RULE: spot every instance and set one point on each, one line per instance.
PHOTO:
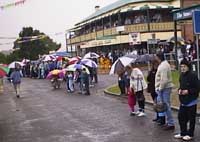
(188, 81)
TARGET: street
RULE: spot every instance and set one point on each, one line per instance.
(46, 115)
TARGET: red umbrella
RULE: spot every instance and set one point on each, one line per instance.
(59, 58)
(74, 60)
(2, 73)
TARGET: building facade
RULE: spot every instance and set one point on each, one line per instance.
(124, 26)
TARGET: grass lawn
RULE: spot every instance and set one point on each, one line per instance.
(174, 97)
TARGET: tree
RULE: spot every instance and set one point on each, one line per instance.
(30, 48)
(2, 58)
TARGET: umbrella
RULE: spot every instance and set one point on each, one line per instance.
(2, 73)
(74, 67)
(55, 72)
(89, 63)
(62, 54)
(59, 73)
(144, 58)
(180, 40)
(120, 63)
(15, 64)
(4, 68)
(24, 61)
(91, 55)
(48, 58)
(74, 60)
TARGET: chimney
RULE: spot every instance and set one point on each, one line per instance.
(97, 7)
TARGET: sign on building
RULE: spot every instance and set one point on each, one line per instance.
(153, 41)
(196, 22)
(134, 38)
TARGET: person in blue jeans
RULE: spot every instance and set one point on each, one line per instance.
(163, 87)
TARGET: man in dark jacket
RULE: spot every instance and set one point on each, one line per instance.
(188, 97)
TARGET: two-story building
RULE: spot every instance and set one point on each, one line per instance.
(124, 26)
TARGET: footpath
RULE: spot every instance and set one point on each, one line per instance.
(148, 100)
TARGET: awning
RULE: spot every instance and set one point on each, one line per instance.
(152, 6)
(146, 6)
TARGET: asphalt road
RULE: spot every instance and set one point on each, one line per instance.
(46, 115)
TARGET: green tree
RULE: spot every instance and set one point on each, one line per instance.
(31, 49)
(2, 58)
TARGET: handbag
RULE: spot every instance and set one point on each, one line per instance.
(160, 107)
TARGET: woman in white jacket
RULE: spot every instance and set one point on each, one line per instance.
(138, 83)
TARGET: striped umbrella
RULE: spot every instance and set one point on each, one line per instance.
(4, 70)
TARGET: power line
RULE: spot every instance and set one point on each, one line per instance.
(2, 7)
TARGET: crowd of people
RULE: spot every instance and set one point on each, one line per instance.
(132, 83)
(159, 84)
(80, 79)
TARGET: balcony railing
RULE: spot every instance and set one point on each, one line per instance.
(136, 28)
(162, 26)
(152, 27)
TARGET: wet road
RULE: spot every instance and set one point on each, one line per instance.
(46, 115)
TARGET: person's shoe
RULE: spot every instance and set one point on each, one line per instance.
(132, 113)
(168, 127)
(137, 112)
(141, 114)
(18, 96)
(178, 136)
(187, 138)
(161, 121)
(155, 120)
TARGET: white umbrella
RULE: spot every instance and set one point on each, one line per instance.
(25, 61)
(48, 58)
(91, 55)
(120, 63)
(89, 63)
(74, 67)
(14, 64)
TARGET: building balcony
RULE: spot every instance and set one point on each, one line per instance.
(141, 28)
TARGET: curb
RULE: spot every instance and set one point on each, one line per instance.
(148, 102)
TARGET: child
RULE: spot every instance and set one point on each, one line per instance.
(70, 82)
(131, 101)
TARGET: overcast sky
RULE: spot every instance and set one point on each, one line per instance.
(48, 16)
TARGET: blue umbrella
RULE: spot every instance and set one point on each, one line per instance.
(62, 54)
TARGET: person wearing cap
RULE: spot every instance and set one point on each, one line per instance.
(188, 97)
(163, 87)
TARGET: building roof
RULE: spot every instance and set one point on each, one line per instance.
(116, 5)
